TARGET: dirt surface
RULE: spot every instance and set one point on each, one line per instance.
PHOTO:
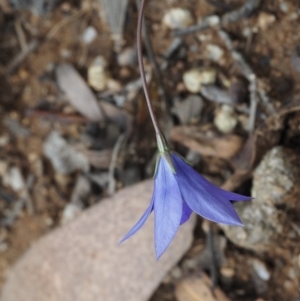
(32, 105)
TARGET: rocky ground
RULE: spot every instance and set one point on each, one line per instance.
(224, 77)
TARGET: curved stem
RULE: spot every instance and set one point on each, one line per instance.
(141, 65)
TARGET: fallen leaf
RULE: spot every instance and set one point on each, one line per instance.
(83, 261)
(115, 11)
(82, 98)
(224, 147)
(97, 158)
(79, 94)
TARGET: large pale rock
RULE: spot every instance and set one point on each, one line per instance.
(82, 261)
(275, 189)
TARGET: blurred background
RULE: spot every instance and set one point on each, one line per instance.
(74, 127)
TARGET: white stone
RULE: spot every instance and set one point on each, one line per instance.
(128, 57)
(195, 78)
(89, 35)
(113, 85)
(71, 211)
(261, 270)
(265, 20)
(16, 179)
(213, 20)
(4, 140)
(177, 18)
(97, 75)
(214, 52)
(225, 119)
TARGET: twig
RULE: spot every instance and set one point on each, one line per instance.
(28, 200)
(255, 92)
(34, 44)
(56, 116)
(113, 163)
(244, 11)
(20, 57)
(20, 35)
(213, 261)
(55, 29)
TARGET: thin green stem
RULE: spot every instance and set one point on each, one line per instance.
(141, 65)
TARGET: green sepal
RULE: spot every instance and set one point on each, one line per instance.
(162, 144)
(164, 151)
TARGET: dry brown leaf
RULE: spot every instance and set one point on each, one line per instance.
(214, 145)
(97, 158)
(79, 94)
(82, 98)
(198, 288)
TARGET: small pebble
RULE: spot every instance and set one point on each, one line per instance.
(214, 52)
(97, 75)
(225, 119)
(4, 140)
(89, 35)
(71, 211)
(284, 7)
(195, 78)
(65, 53)
(113, 85)
(16, 179)
(128, 57)
(3, 246)
(265, 20)
(212, 20)
(177, 18)
(176, 273)
(227, 272)
(261, 270)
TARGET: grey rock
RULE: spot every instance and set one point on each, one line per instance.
(83, 261)
(275, 181)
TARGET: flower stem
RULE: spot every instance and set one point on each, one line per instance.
(141, 65)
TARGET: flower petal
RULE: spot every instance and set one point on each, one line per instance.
(167, 207)
(235, 196)
(140, 222)
(206, 199)
(186, 213)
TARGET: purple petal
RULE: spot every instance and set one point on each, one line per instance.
(141, 221)
(204, 198)
(186, 213)
(167, 207)
(231, 196)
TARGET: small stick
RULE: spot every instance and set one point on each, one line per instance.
(20, 57)
(213, 262)
(20, 34)
(243, 12)
(255, 92)
(113, 163)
